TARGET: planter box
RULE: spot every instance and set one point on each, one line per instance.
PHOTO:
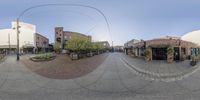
(170, 59)
(90, 54)
(95, 53)
(193, 63)
(147, 59)
(42, 60)
(64, 51)
(74, 56)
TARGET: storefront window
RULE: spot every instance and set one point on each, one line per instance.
(183, 50)
(199, 52)
(193, 51)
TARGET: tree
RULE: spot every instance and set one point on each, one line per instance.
(97, 46)
(148, 54)
(78, 43)
(57, 47)
(170, 54)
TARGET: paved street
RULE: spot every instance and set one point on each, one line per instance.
(112, 80)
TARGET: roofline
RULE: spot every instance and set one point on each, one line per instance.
(41, 35)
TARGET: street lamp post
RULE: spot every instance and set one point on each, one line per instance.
(9, 43)
(112, 47)
(17, 29)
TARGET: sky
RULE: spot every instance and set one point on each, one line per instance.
(128, 19)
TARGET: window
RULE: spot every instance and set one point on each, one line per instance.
(183, 50)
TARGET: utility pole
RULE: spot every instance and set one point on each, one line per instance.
(9, 43)
(17, 29)
(112, 47)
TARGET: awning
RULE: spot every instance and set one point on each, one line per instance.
(7, 46)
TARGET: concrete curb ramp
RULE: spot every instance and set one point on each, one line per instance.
(160, 77)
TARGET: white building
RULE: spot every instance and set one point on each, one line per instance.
(8, 37)
(192, 37)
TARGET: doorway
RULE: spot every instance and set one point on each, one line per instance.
(159, 53)
(176, 53)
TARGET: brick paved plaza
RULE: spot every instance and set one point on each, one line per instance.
(63, 67)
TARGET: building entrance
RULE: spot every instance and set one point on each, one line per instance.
(176, 53)
(159, 53)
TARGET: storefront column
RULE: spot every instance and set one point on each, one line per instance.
(180, 53)
(151, 54)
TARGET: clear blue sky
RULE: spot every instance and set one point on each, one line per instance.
(128, 19)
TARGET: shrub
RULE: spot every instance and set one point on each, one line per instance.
(147, 54)
(43, 57)
(170, 51)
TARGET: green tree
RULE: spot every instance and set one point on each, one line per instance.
(97, 47)
(78, 43)
(170, 54)
(57, 47)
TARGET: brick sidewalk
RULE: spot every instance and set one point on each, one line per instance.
(63, 68)
(160, 69)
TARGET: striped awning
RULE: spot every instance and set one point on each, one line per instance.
(7, 46)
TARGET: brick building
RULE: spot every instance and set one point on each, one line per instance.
(42, 43)
(62, 36)
(158, 48)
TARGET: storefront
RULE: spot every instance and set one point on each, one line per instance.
(158, 48)
(159, 53)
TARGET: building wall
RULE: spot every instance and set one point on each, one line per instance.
(184, 46)
(62, 36)
(58, 34)
(4, 39)
(26, 35)
(131, 43)
(41, 41)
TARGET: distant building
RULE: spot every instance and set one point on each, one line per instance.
(62, 36)
(42, 43)
(129, 45)
(27, 38)
(104, 44)
(118, 48)
(159, 47)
